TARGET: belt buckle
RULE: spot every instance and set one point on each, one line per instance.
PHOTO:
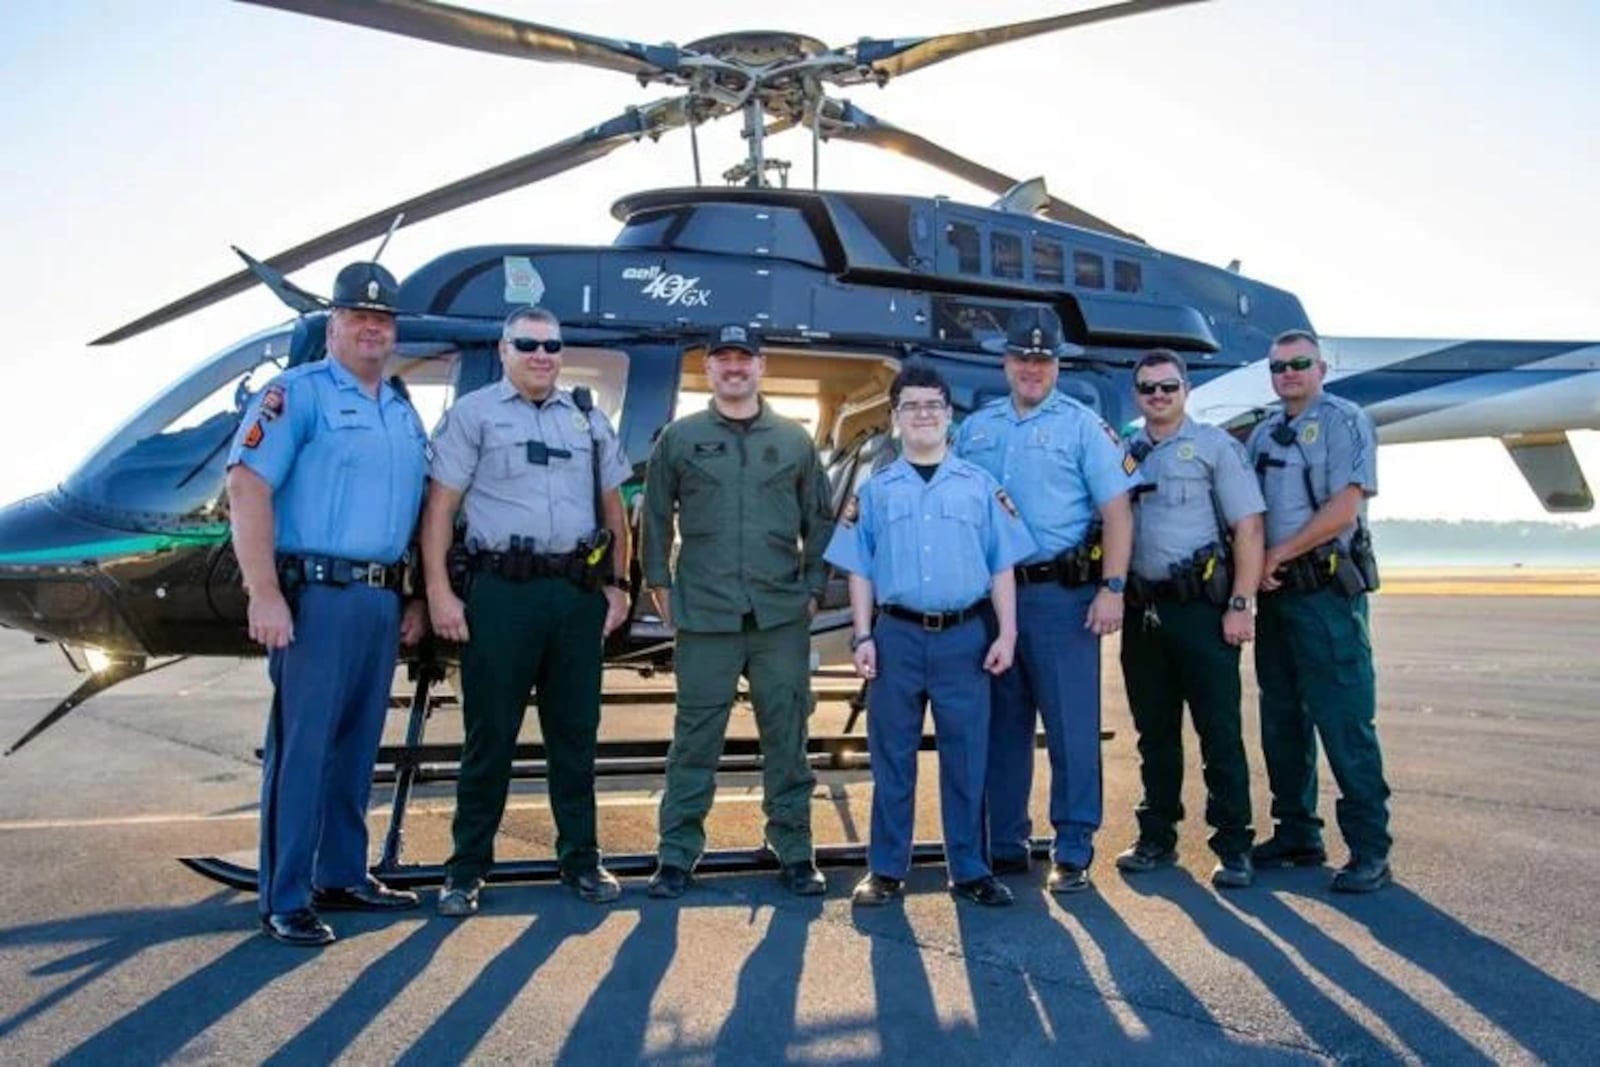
(377, 576)
(933, 621)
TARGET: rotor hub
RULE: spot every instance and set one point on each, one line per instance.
(758, 48)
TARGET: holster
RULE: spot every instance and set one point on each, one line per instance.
(1080, 564)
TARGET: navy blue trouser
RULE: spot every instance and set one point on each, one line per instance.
(330, 693)
(1056, 678)
(916, 668)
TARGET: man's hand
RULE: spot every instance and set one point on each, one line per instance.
(662, 599)
(449, 615)
(271, 622)
(865, 658)
(1238, 627)
(1105, 613)
(998, 660)
(1270, 582)
(413, 622)
(616, 609)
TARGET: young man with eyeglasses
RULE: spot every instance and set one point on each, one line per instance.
(1317, 463)
(547, 563)
(1065, 468)
(1197, 554)
(741, 491)
(929, 543)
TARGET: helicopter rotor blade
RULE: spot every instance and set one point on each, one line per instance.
(843, 120)
(481, 31)
(650, 120)
(893, 57)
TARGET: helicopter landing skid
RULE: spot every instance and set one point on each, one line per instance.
(413, 762)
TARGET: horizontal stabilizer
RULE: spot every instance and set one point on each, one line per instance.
(1546, 460)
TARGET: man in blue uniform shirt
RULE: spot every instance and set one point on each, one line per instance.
(1318, 464)
(1064, 467)
(324, 482)
(929, 537)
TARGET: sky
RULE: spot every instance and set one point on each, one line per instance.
(1408, 168)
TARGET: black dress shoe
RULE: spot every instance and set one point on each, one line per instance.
(300, 928)
(875, 890)
(988, 891)
(1277, 852)
(669, 882)
(803, 879)
(1011, 865)
(1067, 878)
(371, 895)
(1362, 875)
(597, 885)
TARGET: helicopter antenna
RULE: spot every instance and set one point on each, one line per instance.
(393, 226)
(694, 150)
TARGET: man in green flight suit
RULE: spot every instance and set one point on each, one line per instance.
(747, 491)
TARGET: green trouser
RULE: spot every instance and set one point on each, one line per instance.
(1314, 666)
(1182, 657)
(542, 634)
(778, 663)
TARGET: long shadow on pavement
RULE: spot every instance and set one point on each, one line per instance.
(761, 1022)
(1329, 1026)
(1548, 1017)
(611, 1027)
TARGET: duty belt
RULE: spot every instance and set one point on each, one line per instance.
(932, 621)
(328, 570)
(526, 566)
(1038, 573)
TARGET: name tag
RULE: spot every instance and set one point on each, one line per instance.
(710, 448)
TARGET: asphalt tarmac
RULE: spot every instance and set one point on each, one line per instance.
(1484, 951)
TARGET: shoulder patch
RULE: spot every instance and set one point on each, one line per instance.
(252, 439)
(1111, 435)
(851, 512)
(272, 402)
(1005, 501)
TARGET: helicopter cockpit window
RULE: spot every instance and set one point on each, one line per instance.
(1088, 270)
(163, 468)
(1049, 266)
(969, 249)
(1005, 254)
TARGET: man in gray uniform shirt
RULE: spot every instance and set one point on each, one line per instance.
(538, 474)
(1197, 553)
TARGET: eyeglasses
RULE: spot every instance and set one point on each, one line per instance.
(1278, 366)
(533, 344)
(1166, 385)
(921, 407)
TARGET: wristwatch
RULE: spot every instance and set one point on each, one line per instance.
(857, 640)
(620, 582)
(1114, 585)
(1241, 603)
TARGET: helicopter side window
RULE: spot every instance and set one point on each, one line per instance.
(1005, 254)
(1126, 275)
(1049, 267)
(1088, 270)
(969, 249)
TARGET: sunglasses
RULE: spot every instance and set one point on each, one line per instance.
(1166, 385)
(1278, 366)
(531, 344)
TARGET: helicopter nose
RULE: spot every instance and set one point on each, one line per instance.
(52, 584)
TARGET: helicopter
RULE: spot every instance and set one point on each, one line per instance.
(126, 564)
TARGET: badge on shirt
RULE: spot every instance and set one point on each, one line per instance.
(580, 422)
(1308, 434)
(253, 438)
(851, 512)
(1186, 451)
(272, 402)
(710, 448)
(1005, 501)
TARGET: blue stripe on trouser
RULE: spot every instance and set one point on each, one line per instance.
(916, 668)
(330, 694)
(1057, 679)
